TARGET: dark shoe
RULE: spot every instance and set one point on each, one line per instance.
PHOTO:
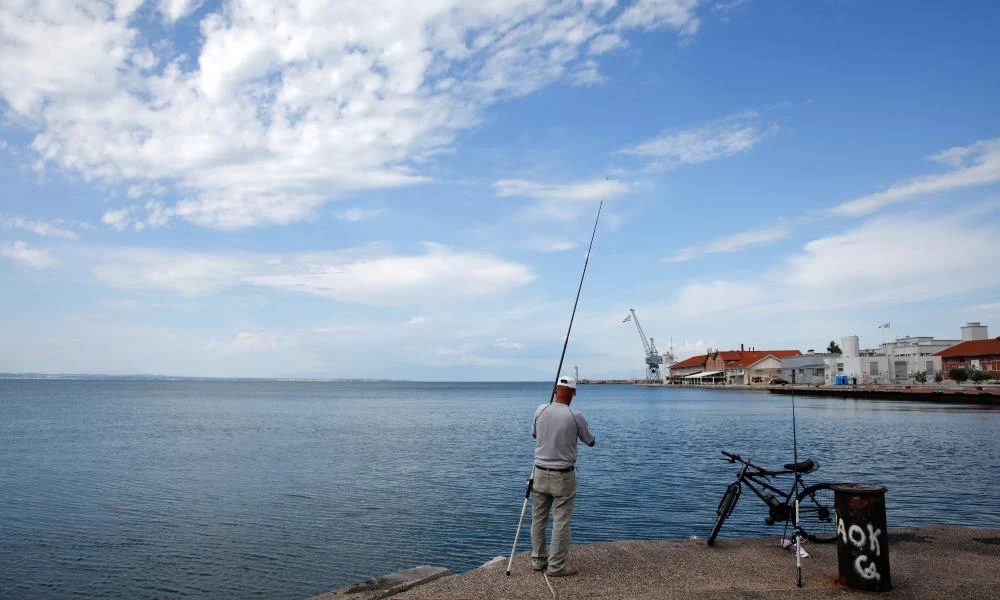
(563, 572)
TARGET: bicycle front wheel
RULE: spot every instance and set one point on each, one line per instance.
(725, 508)
(817, 515)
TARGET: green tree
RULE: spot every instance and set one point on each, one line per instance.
(920, 377)
(978, 376)
(958, 374)
(939, 377)
(834, 348)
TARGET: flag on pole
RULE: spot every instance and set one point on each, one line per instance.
(627, 319)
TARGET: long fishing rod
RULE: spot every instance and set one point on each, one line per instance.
(527, 489)
(573, 315)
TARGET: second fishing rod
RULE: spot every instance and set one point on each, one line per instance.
(562, 357)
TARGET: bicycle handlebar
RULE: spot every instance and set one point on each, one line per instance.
(737, 458)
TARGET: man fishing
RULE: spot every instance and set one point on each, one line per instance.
(556, 428)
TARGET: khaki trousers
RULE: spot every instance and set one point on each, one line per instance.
(556, 491)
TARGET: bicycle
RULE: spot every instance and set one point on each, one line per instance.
(817, 518)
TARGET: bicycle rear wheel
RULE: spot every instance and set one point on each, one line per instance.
(817, 515)
(725, 508)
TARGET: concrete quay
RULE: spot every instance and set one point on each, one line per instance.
(941, 561)
(987, 394)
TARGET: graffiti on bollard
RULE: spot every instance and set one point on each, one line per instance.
(857, 536)
(863, 542)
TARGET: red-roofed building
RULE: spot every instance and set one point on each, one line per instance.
(734, 367)
(746, 367)
(688, 366)
(981, 355)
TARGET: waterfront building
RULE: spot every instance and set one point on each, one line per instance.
(747, 367)
(895, 362)
(978, 355)
(809, 368)
(899, 361)
(688, 366)
(732, 367)
(847, 363)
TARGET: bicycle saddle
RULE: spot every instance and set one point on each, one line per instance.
(803, 466)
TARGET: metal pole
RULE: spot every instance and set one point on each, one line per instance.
(520, 521)
(795, 488)
(527, 491)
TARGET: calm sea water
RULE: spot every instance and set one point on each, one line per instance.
(287, 489)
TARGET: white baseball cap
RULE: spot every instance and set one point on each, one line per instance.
(567, 382)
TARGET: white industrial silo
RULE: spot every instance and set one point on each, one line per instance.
(850, 345)
(974, 331)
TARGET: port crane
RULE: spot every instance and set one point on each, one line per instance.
(653, 358)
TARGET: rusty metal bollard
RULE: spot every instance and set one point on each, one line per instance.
(862, 537)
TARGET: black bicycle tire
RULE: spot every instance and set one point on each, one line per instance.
(725, 509)
(829, 533)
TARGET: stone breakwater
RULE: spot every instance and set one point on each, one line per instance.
(940, 561)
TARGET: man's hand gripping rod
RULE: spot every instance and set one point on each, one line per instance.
(527, 490)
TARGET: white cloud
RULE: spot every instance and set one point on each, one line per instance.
(719, 296)
(446, 357)
(592, 190)
(981, 311)
(402, 279)
(653, 14)
(505, 344)
(117, 219)
(548, 245)
(733, 243)
(689, 348)
(359, 214)
(38, 227)
(606, 42)
(174, 10)
(283, 106)
(588, 74)
(724, 9)
(360, 275)
(341, 328)
(723, 138)
(245, 342)
(974, 165)
(886, 261)
(562, 201)
(417, 320)
(20, 252)
(185, 273)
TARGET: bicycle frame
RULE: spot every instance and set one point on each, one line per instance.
(760, 479)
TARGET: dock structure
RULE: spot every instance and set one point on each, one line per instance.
(940, 561)
(969, 394)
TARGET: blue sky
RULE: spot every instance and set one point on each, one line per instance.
(312, 189)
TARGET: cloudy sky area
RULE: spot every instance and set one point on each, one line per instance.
(406, 189)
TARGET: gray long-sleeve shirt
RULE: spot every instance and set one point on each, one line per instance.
(556, 428)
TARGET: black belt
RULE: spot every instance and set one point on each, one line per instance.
(566, 470)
